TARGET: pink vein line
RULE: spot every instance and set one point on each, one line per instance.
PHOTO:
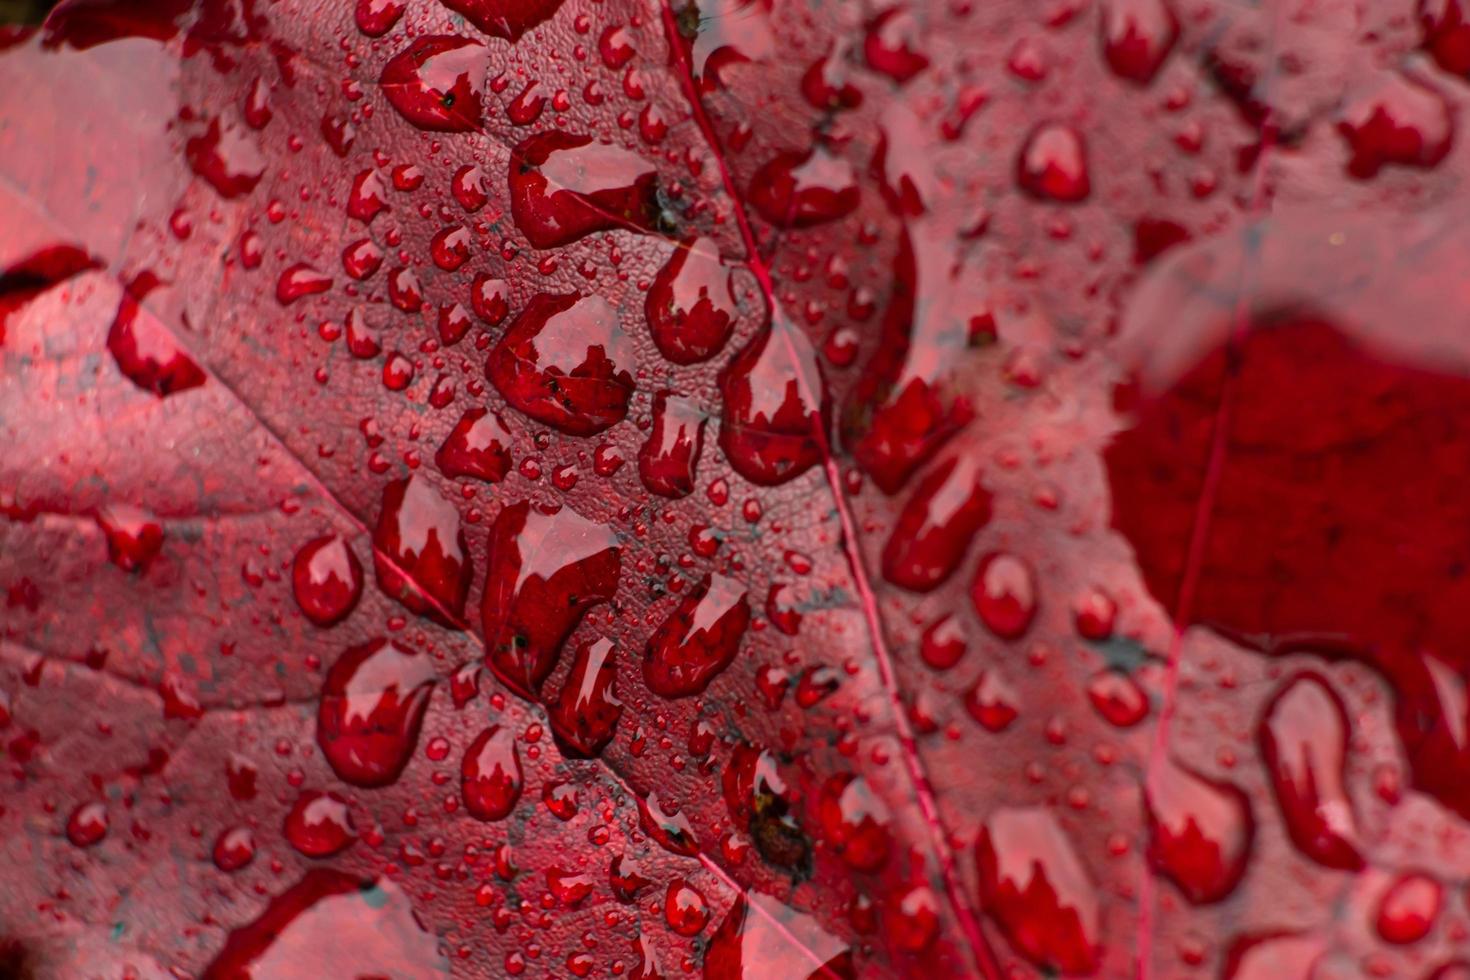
(922, 788)
(1200, 532)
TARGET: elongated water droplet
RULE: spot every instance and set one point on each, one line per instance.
(421, 556)
(585, 716)
(490, 776)
(1037, 889)
(1200, 832)
(544, 573)
(936, 526)
(669, 457)
(691, 305)
(1304, 744)
(775, 407)
(698, 640)
(372, 707)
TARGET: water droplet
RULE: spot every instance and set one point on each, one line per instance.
(372, 707)
(991, 702)
(144, 349)
(698, 640)
(488, 297)
(319, 825)
(798, 190)
(891, 45)
(691, 306)
(478, 446)
(1304, 744)
(544, 573)
(436, 83)
(1037, 889)
(1394, 119)
(626, 878)
(564, 187)
(685, 909)
(420, 553)
(668, 458)
(935, 528)
(367, 198)
(1137, 36)
(566, 361)
(87, 824)
(911, 918)
(569, 887)
(470, 188)
(134, 536)
(943, 643)
(450, 248)
(490, 775)
(234, 848)
(326, 580)
(362, 259)
(377, 17)
(1200, 832)
(1408, 909)
(775, 407)
(1053, 164)
(668, 827)
(508, 19)
(228, 157)
(854, 822)
(299, 281)
(1004, 594)
(585, 716)
(332, 924)
(1118, 698)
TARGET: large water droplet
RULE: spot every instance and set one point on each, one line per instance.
(563, 187)
(936, 526)
(585, 716)
(854, 822)
(490, 775)
(478, 446)
(566, 361)
(371, 709)
(691, 306)
(436, 83)
(326, 579)
(1137, 36)
(798, 190)
(668, 458)
(775, 407)
(332, 924)
(1200, 831)
(1304, 740)
(698, 640)
(508, 19)
(544, 572)
(1037, 889)
(228, 157)
(420, 554)
(144, 349)
(1004, 594)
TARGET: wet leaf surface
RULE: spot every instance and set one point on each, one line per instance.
(747, 489)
